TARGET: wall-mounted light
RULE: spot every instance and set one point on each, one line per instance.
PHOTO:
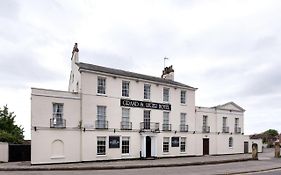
(193, 132)
(175, 132)
(114, 130)
(84, 129)
(35, 128)
(218, 133)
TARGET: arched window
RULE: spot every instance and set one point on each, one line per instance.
(230, 142)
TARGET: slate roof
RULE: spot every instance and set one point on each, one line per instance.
(119, 72)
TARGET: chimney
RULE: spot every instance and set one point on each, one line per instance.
(168, 73)
(75, 56)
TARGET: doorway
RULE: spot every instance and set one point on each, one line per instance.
(148, 146)
(205, 146)
(246, 147)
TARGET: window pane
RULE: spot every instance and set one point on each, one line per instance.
(183, 97)
(165, 117)
(146, 91)
(125, 145)
(183, 144)
(57, 110)
(166, 144)
(183, 119)
(101, 85)
(166, 94)
(101, 145)
(125, 88)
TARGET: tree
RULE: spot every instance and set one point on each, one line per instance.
(9, 131)
(270, 137)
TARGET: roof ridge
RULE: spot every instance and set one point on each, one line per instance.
(104, 69)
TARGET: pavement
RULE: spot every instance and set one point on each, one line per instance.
(265, 158)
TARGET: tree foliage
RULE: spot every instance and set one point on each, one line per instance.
(269, 137)
(9, 131)
(271, 133)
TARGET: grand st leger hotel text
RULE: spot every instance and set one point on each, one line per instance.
(115, 114)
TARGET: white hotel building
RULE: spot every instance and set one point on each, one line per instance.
(115, 114)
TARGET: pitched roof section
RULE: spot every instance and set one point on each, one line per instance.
(119, 72)
(230, 106)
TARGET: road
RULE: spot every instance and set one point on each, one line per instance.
(190, 170)
(272, 172)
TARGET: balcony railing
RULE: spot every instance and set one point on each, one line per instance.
(101, 124)
(166, 127)
(126, 125)
(149, 126)
(57, 123)
(206, 129)
(225, 129)
(237, 130)
(183, 128)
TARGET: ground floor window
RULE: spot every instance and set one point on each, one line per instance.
(183, 144)
(101, 145)
(125, 145)
(166, 144)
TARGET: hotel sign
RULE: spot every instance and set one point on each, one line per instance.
(145, 104)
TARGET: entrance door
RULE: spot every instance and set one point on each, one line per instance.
(246, 147)
(205, 146)
(148, 146)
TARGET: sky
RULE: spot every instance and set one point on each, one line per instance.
(230, 50)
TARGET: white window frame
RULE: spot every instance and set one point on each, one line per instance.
(101, 116)
(183, 145)
(183, 97)
(146, 91)
(57, 120)
(125, 118)
(101, 143)
(125, 149)
(183, 119)
(58, 110)
(166, 144)
(166, 94)
(101, 85)
(125, 88)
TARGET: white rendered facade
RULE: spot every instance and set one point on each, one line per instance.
(114, 114)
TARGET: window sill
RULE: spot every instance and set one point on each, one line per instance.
(183, 104)
(183, 152)
(166, 153)
(101, 155)
(104, 95)
(57, 157)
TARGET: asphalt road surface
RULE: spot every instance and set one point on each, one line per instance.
(187, 170)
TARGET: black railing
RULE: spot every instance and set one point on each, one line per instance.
(101, 124)
(206, 129)
(126, 125)
(166, 127)
(57, 123)
(237, 130)
(183, 128)
(225, 129)
(149, 126)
